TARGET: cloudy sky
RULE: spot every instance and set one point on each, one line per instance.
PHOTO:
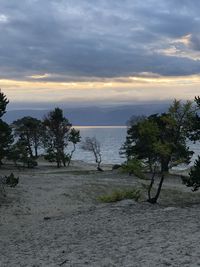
(87, 52)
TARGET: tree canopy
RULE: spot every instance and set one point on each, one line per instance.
(161, 140)
(56, 137)
(3, 103)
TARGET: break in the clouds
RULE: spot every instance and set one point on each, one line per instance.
(85, 40)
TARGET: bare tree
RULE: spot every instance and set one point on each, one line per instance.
(91, 144)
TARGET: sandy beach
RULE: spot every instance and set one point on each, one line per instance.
(53, 218)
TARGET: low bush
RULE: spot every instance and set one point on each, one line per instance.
(11, 180)
(120, 195)
(135, 167)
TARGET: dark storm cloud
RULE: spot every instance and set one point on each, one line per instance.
(96, 38)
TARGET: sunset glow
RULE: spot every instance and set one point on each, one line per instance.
(78, 52)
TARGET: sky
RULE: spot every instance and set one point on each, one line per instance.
(102, 52)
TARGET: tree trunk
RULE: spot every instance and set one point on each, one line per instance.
(165, 165)
(151, 185)
(154, 199)
(36, 151)
(160, 186)
(58, 164)
(72, 152)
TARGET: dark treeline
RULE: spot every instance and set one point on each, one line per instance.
(20, 141)
(154, 144)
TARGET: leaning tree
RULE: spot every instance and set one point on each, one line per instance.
(91, 144)
(74, 138)
(160, 141)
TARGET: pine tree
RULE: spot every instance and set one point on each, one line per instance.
(3, 103)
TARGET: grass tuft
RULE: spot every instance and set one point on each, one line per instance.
(119, 195)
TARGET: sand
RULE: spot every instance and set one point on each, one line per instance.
(53, 218)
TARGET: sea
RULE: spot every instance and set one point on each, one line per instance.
(111, 139)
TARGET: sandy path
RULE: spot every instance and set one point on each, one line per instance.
(78, 231)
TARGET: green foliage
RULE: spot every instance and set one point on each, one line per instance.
(30, 130)
(57, 135)
(3, 103)
(195, 122)
(74, 138)
(161, 140)
(119, 195)
(194, 176)
(6, 139)
(134, 166)
(19, 154)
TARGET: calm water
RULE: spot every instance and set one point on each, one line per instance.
(111, 139)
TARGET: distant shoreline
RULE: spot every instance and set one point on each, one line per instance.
(100, 126)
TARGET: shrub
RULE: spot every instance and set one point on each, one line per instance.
(120, 195)
(11, 180)
(135, 167)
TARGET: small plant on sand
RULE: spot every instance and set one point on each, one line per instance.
(11, 180)
(119, 195)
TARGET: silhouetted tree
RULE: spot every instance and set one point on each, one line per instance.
(30, 130)
(19, 153)
(6, 140)
(57, 131)
(3, 103)
(74, 138)
(91, 144)
(6, 137)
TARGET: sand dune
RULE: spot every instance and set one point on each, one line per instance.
(53, 218)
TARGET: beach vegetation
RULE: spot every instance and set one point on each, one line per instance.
(160, 141)
(58, 132)
(6, 137)
(119, 195)
(91, 144)
(74, 138)
(135, 167)
(30, 131)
